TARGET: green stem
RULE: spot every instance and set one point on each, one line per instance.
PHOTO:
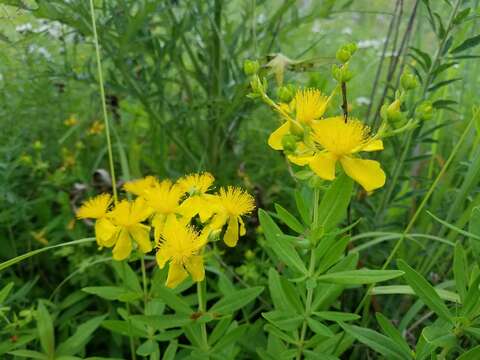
(104, 103)
(202, 306)
(144, 279)
(130, 336)
(311, 270)
(421, 206)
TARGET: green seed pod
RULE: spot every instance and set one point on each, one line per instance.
(250, 67)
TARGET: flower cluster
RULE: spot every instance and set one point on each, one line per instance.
(184, 215)
(309, 138)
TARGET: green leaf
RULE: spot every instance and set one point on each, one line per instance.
(277, 293)
(236, 300)
(333, 207)
(332, 256)
(28, 354)
(302, 207)
(393, 333)
(460, 271)
(147, 348)
(378, 342)
(407, 290)
(162, 322)
(113, 293)
(472, 354)
(359, 277)
(474, 228)
(336, 316)
(79, 339)
(471, 305)
(290, 220)
(440, 335)
(124, 328)
(45, 330)
(318, 328)
(20, 258)
(171, 351)
(279, 333)
(282, 247)
(5, 291)
(467, 44)
(425, 291)
(231, 337)
(284, 320)
(172, 300)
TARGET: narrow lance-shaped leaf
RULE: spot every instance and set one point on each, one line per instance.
(425, 291)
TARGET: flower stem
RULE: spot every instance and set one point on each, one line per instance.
(202, 306)
(311, 270)
(144, 279)
(104, 103)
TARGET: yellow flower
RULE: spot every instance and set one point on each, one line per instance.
(198, 202)
(164, 199)
(309, 105)
(339, 141)
(196, 183)
(180, 245)
(97, 208)
(71, 121)
(230, 205)
(96, 128)
(140, 186)
(127, 217)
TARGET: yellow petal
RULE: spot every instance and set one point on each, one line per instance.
(218, 221)
(162, 257)
(158, 222)
(374, 145)
(141, 234)
(104, 232)
(275, 139)
(176, 274)
(323, 164)
(243, 231)
(195, 267)
(123, 247)
(231, 235)
(367, 173)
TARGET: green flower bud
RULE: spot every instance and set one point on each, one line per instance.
(425, 110)
(408, 81)
(250, 67)
(285, 93)
(38, 145)
(343, 55)
(337, 72)
(393, 111)
(352, 47)
(289, 143)
(257, 85)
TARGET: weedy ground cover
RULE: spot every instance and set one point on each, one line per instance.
(239, 180)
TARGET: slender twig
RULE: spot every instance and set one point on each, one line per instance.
(104, 103)
(344, 101)
(382, 58)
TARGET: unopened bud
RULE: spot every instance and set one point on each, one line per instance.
(393, 110)
(425, 110)
(250, 67)
(408, 81)
(285, 93)
(289, 143)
